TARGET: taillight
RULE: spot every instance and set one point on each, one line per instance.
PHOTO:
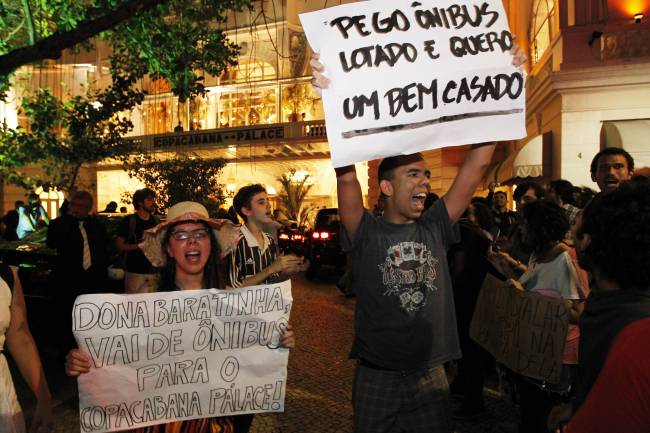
(296, 237)
(284, 236)
(320, 235)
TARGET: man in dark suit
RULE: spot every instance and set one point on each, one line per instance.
(81, 265)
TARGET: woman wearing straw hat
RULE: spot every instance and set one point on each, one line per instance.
(187, 246)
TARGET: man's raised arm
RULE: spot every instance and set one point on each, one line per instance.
(350, 200)
(468, 178)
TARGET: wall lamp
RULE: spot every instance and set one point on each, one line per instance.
(638, 18)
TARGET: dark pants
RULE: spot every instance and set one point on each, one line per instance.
(471, 374)
(534, 406)
(415, 401)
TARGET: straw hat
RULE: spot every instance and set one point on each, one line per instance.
(226, 232)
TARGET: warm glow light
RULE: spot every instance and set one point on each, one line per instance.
(271, 191)
(630, 7)
(638, 18)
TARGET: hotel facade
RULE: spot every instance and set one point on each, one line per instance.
(588, 87)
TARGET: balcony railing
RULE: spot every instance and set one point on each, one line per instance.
(625, 44)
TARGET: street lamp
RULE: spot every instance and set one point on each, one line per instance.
(638, 18)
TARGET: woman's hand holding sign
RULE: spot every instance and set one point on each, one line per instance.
(76, 363)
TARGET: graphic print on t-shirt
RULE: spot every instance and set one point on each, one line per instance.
(408, 273)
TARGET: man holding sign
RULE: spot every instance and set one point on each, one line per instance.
(405, 322)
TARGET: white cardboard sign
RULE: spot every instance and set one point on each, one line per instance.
(181, 355)
(408, 76)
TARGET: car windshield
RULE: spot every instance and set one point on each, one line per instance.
(328, 221)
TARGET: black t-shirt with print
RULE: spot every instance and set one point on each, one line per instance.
(404, 316)
(136, 261)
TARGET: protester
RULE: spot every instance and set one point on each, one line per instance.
(10, 221)
(140, 275)
(503, 217)
(610, 167)
(404, 331)
(81, 261)
(468, 266)
(31, 217)
(551, 271)
(187, 246)
(14, 331)
(560, 192)
(613, 244)
(256, 259)
(525, 192)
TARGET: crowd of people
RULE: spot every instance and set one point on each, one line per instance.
(417, 265)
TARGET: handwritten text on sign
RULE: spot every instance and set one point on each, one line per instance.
(524, 331)
(181, 355)
(421, 74)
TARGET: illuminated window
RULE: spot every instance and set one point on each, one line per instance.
(541, 28)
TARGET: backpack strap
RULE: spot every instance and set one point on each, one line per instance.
(7, 275)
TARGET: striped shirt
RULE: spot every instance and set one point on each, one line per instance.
(249, 258)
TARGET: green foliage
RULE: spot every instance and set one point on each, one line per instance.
(173, 40)
(182, 178)
(64, 136)
(292, 197)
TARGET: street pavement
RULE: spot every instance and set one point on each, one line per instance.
(319, 386)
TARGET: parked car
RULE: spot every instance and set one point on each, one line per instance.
(323, 244)
(35, 262)
(291, 238)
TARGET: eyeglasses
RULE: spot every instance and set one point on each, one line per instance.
(198, 234)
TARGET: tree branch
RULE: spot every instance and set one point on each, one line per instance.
(51, 47)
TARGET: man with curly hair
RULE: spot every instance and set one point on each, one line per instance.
(613, 243)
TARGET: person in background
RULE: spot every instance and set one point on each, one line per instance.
(551, 271)
(612, 239)
(503, 217)
(525, 192)
(187, 247)
(140, 275)
(31, 217)
(111, 207)
(17, 339)
(123, 209)
(610, 167)
(179, 127)
(468, 266)
(560, 192)
(10, 221)
(256, 259)
(81, 261)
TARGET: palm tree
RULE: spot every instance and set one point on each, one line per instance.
(292, 197)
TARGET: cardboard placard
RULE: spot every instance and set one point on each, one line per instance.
(524, 331)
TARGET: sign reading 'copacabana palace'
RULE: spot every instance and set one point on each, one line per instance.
(228, 136)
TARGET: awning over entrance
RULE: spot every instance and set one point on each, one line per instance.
(533, 160)
(631, 135)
